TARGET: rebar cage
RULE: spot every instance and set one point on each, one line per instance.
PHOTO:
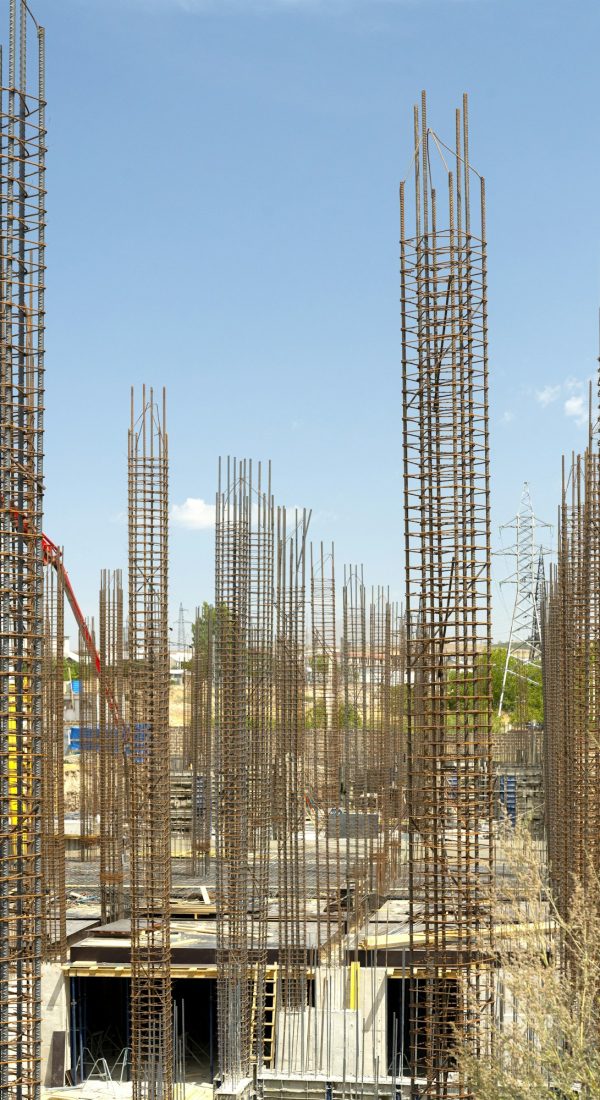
(22, 273)
(148, 754)
(447, 537)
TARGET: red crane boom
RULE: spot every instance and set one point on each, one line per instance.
(53, 556)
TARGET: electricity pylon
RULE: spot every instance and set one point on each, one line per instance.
(524, 640)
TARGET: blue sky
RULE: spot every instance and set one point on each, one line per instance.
(222, 218)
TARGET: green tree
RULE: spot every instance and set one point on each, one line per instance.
(320, 667)
(463, 687)
(71, 669)
(349, 717)
(203, 628)
(316, 717)
(533, 687)
(397, 700)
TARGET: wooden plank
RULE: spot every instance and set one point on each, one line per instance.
(57, 1059)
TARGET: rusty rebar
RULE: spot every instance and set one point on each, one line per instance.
(148, 753)
(447, 533)
(53, 751)
(89, 749)
(571, 679)
(111, 743)
(22, 269)
(201, 739)
(289, 752)
(242, 755)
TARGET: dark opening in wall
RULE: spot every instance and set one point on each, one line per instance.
(406, 1013)
(195, 1000)
(398, 1026)
(100, 1027)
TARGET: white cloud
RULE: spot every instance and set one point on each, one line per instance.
(194, 513)
(547, 395)
(508, 416)
(573, 393)
(576, 407)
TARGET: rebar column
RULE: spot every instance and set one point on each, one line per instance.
(323, 752)
(22, 228)
(201, 741)
(53, 832)
(571, 674)
(260, 708)
(289, 780)
(243, 667)
(148, 761)
(89, 746)
(447, 540)
(112, 740)
(357, 741)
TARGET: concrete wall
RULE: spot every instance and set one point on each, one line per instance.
(333, 1038)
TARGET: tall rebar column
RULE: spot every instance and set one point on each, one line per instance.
(22, 229)
(149, 803)
(53, 832)
(243, 663)
(324, 762)
(289, 777)
(571, 677)
(261, 706)
(447, 538)
(201, 741)
(112, 740)
(89, 746)
(357, 739)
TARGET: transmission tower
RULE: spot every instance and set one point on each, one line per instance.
(524, 640)
(181, 642)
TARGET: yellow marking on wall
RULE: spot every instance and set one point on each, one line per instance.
(354, 983)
